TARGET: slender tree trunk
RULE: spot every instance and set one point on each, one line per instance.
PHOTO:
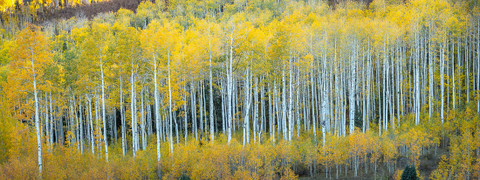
(351, 100)
(224, 113)
(442, 89)
(271, 115)
(37, 118)
(478, 65)
(246, 123)
(284, 106)
(170, 105)
(314, 120)
(103, 112)
(212, 123)
(453, 73)
(71, 127)
(122, 119)
(142, 126)
(201, 108)
(52, 120)
(149, 114)
(430, 74)
(133, 110)
(416, 79)
(254, 108)
(185, 111)
(89, 99)
(230, 109)
(81, 125)
(157, 114)
(263, 106)
(193, 105)
(46, 119)
(296, 91)
(369, 73)
(290, 102)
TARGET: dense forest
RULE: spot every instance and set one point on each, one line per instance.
(241, 89)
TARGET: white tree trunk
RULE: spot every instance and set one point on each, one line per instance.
(201, 108)
(271, 118)
(89, 99)
(230, 90)
(194, 109)
(185, 123)
(142, 121)
(290, 102)
(170, 105)
(478, 65)
(133, 110)
(284, 106)
(103, 112)
(157, 113)
(122, 119)
(51, 120)
(442, 89)
(246, 123)
(453, 73)
(212, 124)
(255, 109)
(81, 126)
(353, 85)
(37, 118)
(46, 119)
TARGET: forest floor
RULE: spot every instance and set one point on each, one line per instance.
(428, 163)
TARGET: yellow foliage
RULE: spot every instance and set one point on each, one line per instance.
(185, 39)
(398, 174)
(288, 174)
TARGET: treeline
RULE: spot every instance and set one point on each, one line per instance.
(11, 6)
(269, 74)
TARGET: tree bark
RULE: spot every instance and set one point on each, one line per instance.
(37, 118)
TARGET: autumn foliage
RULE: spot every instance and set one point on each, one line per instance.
(260, 89)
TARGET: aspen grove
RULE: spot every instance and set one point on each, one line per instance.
(259, 89)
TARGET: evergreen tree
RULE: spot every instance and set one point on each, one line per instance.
(410, 173)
